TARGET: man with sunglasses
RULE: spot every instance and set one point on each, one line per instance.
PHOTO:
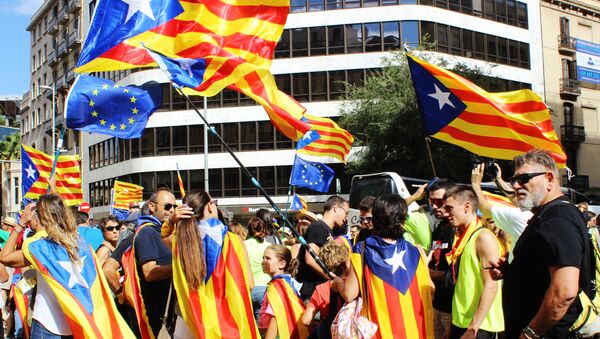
(551, 258)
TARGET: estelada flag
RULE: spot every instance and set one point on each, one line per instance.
(79, 287)
(395, 287)
(287, 307)
(221, 307)
(22, 308)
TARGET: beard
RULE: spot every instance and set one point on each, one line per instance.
(531, 200)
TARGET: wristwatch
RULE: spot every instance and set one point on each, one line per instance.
(529, 333)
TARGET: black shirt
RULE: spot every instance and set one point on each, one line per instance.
(117, 254)
(317, 233)
(442, 238)
(555, 236)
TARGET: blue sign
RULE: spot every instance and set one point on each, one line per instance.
(588, 61)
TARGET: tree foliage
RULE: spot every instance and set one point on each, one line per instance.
(10, 147)
(383, 115)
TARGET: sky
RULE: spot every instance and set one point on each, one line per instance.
(14, 59)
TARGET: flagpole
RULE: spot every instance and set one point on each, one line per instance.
(427, 141)
(205, 118)
(254, 182)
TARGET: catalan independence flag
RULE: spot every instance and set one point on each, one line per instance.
(36, 169)
(395, 285)
(298, 203)
(496, 125)
(232, 36)
(287, 307)
(221, 307)
(22, 308)
(333, 141)
(79, 287)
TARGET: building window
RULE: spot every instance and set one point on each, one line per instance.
(568, 113)
(391, 35)
(17, 198)
(410, 33)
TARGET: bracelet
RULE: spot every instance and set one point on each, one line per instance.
(529, 333)
(19, 230)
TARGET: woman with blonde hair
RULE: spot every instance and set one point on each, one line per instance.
(68, 275)
(210, 272)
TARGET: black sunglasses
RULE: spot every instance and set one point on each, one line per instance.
(111, 228)
(168, 206)
(366, 219)
(437, 202)
(524, 178)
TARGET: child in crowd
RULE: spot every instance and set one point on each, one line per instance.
(282, 305)
(325, 299)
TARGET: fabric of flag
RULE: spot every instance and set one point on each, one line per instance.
(298, 203)
(36, 167)
(22, 309)
(234, 37)
(287, 307)
(498, 200)
(313, 175)
(334, 141)
(125, 193)
(496, 125)
(395, 286)
(132, 290)
(80, 288)
(221, 307)
(180, 181)
(100, 106)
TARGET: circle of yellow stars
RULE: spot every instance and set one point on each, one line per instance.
(309, 182)
(103, 122)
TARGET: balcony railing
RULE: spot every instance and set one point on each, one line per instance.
(62, 48)
(570, 86)
(572, 133)
(71, 75)
(566, 43)
(53, 26)
(60, 82)
(52, 59)
(74, 5)
(63, 14)
(74, 38)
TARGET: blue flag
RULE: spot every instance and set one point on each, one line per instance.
(308, 137)
(183, 72)
(313, 175)
(101, 106)
(298, 203)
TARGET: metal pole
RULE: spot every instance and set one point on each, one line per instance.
(205, 144)
(53, 118)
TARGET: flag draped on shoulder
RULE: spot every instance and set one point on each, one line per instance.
(287, 307)
(333, 141)
(36, 167)
(100, 106)
(80, 288)
(497, 125)
(395, 286)
(221, 307)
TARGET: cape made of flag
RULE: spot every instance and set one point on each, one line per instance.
(395, 286)
(22, 309)
(80, 288)
(287, 307)
(221, 307)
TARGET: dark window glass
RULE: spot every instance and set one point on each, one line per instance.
(492, 50)
(164, 179)
(231, 181)
(410, 33)
(300, 86)
(197, 179)
(284, 82)
(215, 182)
(455, 41)
(281, 141)
(179, 101)
(248, 136)
(135, 148)
(336, 84)
(501, 10)
(318, 86)
(229, 132)
(466, 6)
(356, 77)
(248, 189)
(230, 97)
(372, 33)
(454, 5)
(317, 41)
(441, 3)
(266, 175)
(110, 148)
(477, 8)
(299, 42)
(211, 102)
(391, 35)
(335, 39)
(513, 52)
(283, 45)
(511, 12)
(148, 142)
(442, 38)
(389, 2)
(334, 4)
(196, 139)
(489, 10)
(352, 4)
(354, 38)
(502, 50)
(524, 54)
(283, 179)
(180, 139)
(298, 6)
(214, 145)
(427, 31)
(266, 135)
(370, 3)
(148, 183)
(522, 14)
(467, 40)
(479, 39)
(163, 140)
(424, 2)
(316, 5)
(166, 98)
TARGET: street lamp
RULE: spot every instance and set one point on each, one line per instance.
(53, 89)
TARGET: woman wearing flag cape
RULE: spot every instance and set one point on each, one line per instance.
(72, 298)
(211, 274)
(391, 276)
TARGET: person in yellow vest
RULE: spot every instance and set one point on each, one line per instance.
(477, 300)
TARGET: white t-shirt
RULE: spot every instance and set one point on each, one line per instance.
(511, 220)
(47, 310)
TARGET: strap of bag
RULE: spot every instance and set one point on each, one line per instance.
(164, 318)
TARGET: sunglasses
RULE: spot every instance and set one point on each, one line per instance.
(111, 228)
(437, 202)
(168, 206)
(366, 219)
(524, 178)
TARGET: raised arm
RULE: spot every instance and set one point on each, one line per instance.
(476, 176)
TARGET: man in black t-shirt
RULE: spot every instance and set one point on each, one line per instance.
(317, 234)
(551, 258)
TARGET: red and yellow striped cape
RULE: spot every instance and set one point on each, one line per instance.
(287, 307)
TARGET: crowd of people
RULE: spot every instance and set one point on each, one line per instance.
(458, 267)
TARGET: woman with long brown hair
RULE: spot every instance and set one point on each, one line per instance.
(211, 273)
(72, 299)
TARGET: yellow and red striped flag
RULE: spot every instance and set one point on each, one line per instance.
(36, 169)
(125, 192)
(287, 307)
(334, 141)
(498, 200)
(180, 181)
(496, 125)
(234, 37)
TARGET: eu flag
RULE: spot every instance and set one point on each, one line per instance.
(313, 175)
(183, 72)
(101, 106)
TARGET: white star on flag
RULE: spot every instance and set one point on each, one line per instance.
(30, 172)
(186, 65)
(397, 260)
(215, 233)
(74, 270)
(138, 6)
(443, 98)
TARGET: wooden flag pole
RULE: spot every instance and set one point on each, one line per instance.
(427, 141)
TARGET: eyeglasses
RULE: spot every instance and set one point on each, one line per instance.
(366, 219)
(524, 178)
(111, 228)
(169, 206)
(437, 202)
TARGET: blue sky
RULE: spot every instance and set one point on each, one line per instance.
(14, 59)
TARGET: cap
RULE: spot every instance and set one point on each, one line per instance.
(9, 221)
(310, 216)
